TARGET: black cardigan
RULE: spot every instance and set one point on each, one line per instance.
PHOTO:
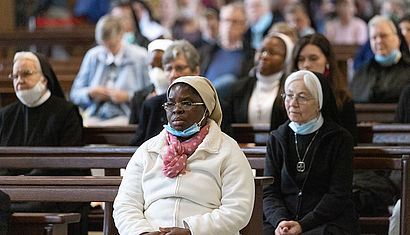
(325, 197)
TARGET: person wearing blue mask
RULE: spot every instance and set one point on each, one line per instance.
(191, 178)
(310, 157)
(383, 78)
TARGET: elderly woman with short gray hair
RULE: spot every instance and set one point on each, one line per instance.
(109, 75)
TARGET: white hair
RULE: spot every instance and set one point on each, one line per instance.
(379, 19)
(311, 81)
(29, 56)
(266, 3)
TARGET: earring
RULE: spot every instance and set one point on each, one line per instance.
(327, 66)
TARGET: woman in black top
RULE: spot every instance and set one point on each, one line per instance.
(311, 159)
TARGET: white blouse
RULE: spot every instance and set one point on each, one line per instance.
(263, 97)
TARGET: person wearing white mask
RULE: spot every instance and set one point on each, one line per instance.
(158, 78)
(310, 157)
(41, 117)
(385, 75)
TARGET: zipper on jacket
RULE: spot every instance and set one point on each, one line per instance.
(176, 209)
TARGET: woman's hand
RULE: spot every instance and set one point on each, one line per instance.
(175, 231)
(288, 228)
(99, 93)
(118, 96)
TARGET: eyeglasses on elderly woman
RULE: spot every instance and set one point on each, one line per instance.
(22, 75)
(300, 99)
(186, 105)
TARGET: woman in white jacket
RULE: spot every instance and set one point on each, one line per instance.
(191, 178)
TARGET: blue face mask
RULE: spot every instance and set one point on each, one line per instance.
(195, 128)
(387, 60)
(308, 127)
(129, 37)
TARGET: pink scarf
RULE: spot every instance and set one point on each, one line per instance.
(177, 153)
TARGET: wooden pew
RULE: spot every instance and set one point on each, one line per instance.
(375, 157)
(108, 158)
(76, 40)
(115, 135)
(384, 134)
(344, 53)
(42, 223)
(375, 112)
(65, 189)
(368, 133)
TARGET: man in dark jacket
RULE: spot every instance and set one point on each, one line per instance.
(229, 59)
(383, 78)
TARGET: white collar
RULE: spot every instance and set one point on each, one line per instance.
(270, 78)
(41, 101)
(116, 59)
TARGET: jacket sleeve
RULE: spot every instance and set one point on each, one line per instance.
(340, 186)
(273, 205)
(238, 192)
(129, 204)
(79, 90)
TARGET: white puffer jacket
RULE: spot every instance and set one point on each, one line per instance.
(215, 196)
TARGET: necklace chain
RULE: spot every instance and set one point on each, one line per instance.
(300, 166)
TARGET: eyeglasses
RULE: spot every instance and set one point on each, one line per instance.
(22, 75)
(177, 68)
(265, 52)
(186, 105)
(233, 21)
(300, 99)
(382, 36)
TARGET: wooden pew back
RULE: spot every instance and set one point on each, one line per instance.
(103, 189)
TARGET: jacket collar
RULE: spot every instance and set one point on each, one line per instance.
(211, 143)
(121, 60)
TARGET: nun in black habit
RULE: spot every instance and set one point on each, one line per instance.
(311, 160)
(41, 117)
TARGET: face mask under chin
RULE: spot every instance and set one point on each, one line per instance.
(159, 79)
(195, 128)
(29, 97)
